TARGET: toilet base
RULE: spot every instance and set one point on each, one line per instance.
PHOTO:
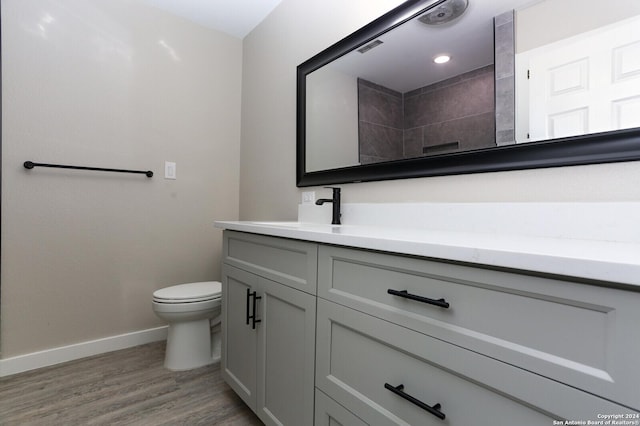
(195, 335)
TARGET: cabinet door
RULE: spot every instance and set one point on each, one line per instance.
(286, 355)
(238, 338)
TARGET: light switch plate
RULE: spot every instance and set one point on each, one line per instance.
(169, 170)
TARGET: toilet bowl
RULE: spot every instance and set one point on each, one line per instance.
(193, 313)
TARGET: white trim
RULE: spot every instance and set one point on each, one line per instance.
(21, 363)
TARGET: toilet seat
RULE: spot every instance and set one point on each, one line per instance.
(189, 293)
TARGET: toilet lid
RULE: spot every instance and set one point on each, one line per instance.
(191, 292)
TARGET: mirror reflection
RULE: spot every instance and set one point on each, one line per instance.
(470, 75)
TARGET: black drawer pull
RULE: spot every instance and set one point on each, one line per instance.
(248, 297)
(399, 390)
(254, 321)
(404, 293)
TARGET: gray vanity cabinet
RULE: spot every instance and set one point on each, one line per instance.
(405, 340)
(269, 326)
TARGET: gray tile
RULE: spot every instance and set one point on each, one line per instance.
(504, 50)
(505, 103)
(370, 159)
(379, 141)
(414, 92)
(422, 109)
(504, 18)
(413, 142)
(379, 88)
(458, 78)
(505, 137)
(379, 107)
(471, 96)
(473, 132)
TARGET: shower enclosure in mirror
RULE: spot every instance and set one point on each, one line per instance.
(462, 86)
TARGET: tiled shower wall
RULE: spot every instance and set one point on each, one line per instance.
(451, 115)
(456, 114)
(380, 123)
(504, 36)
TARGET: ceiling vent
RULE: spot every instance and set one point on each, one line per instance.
(368, 47)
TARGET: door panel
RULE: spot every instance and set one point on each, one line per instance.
(286, 355)
(238, 338)
(583, 84)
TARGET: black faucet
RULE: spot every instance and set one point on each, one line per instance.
(335, 220)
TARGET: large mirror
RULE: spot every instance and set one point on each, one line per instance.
(440, 87)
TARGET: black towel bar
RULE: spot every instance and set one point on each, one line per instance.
(31, 165)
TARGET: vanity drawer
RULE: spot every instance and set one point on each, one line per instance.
(290, 262)
(358, 354)
(582, 335)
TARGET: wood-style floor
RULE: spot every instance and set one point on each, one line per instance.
(127, 387)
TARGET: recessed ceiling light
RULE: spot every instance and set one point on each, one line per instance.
(441, 59)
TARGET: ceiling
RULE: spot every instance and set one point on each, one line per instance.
(234, 17)
(404, 59)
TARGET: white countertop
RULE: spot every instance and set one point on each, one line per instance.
(554, 252)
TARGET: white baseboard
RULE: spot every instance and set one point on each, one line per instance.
(21, 363)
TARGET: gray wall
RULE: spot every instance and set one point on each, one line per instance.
(456, 114)
(380, 123)
(110, 84)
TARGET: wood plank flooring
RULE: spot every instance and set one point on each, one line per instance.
(127, 387)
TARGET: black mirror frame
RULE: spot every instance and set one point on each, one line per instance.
(606, 147)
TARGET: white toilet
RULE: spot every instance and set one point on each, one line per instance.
(193, 313)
